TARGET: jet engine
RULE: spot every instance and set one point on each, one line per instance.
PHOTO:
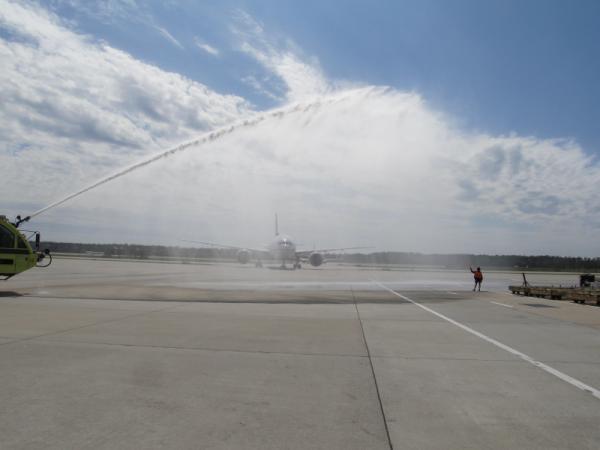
(243, 256)
(316, 259)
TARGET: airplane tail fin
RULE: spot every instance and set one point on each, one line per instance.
(276, 226)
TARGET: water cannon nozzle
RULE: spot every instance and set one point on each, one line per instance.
(20, 221)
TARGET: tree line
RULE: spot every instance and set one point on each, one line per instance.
(460, 261)
(447, 261)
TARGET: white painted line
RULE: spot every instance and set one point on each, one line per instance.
(529, 359)
(502, 304)
(453, 293)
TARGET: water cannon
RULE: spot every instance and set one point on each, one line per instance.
(20, 221)
(19, 250)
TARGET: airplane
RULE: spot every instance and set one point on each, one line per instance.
(283, 249)
(16, 254)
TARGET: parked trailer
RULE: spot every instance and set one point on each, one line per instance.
(587, 292)
(551, 292)
(585, 296)
(577, 295)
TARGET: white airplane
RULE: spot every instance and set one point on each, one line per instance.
(283, 249)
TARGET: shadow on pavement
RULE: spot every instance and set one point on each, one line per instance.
(10, 294)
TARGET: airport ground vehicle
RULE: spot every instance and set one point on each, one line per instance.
(16, 253)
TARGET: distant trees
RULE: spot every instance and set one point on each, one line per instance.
(447, 261)
(460, 261)
(135, 251)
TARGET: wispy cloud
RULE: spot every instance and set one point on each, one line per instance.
(206, 47)
(260, 87)
(302, 77)
(119, 12)
(168, 36)
(105, 11)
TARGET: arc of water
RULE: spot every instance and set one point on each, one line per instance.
(208, 137)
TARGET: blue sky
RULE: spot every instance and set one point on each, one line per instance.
(450, 126)
(499, 66)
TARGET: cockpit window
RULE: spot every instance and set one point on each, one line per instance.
(7, 239)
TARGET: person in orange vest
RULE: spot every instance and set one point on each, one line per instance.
(478, 276)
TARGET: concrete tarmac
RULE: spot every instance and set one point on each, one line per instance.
(113, 355)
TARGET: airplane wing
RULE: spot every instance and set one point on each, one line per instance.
(303, 253)
(213, 244)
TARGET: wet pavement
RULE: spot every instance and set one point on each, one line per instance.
(102, 354)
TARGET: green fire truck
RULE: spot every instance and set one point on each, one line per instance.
(16, 253)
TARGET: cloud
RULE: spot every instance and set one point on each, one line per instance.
(114, 12)
(76, 107)
(302, 78)
(169, 37)
(537, 202)
(206, 47)
(259, 86)
(107, 11)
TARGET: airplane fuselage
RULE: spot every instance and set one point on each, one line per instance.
(282, 248)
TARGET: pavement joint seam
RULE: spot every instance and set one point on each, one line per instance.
(385, 424)
(262, 302)
(204, 349)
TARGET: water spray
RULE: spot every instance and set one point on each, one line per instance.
(209, 137)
